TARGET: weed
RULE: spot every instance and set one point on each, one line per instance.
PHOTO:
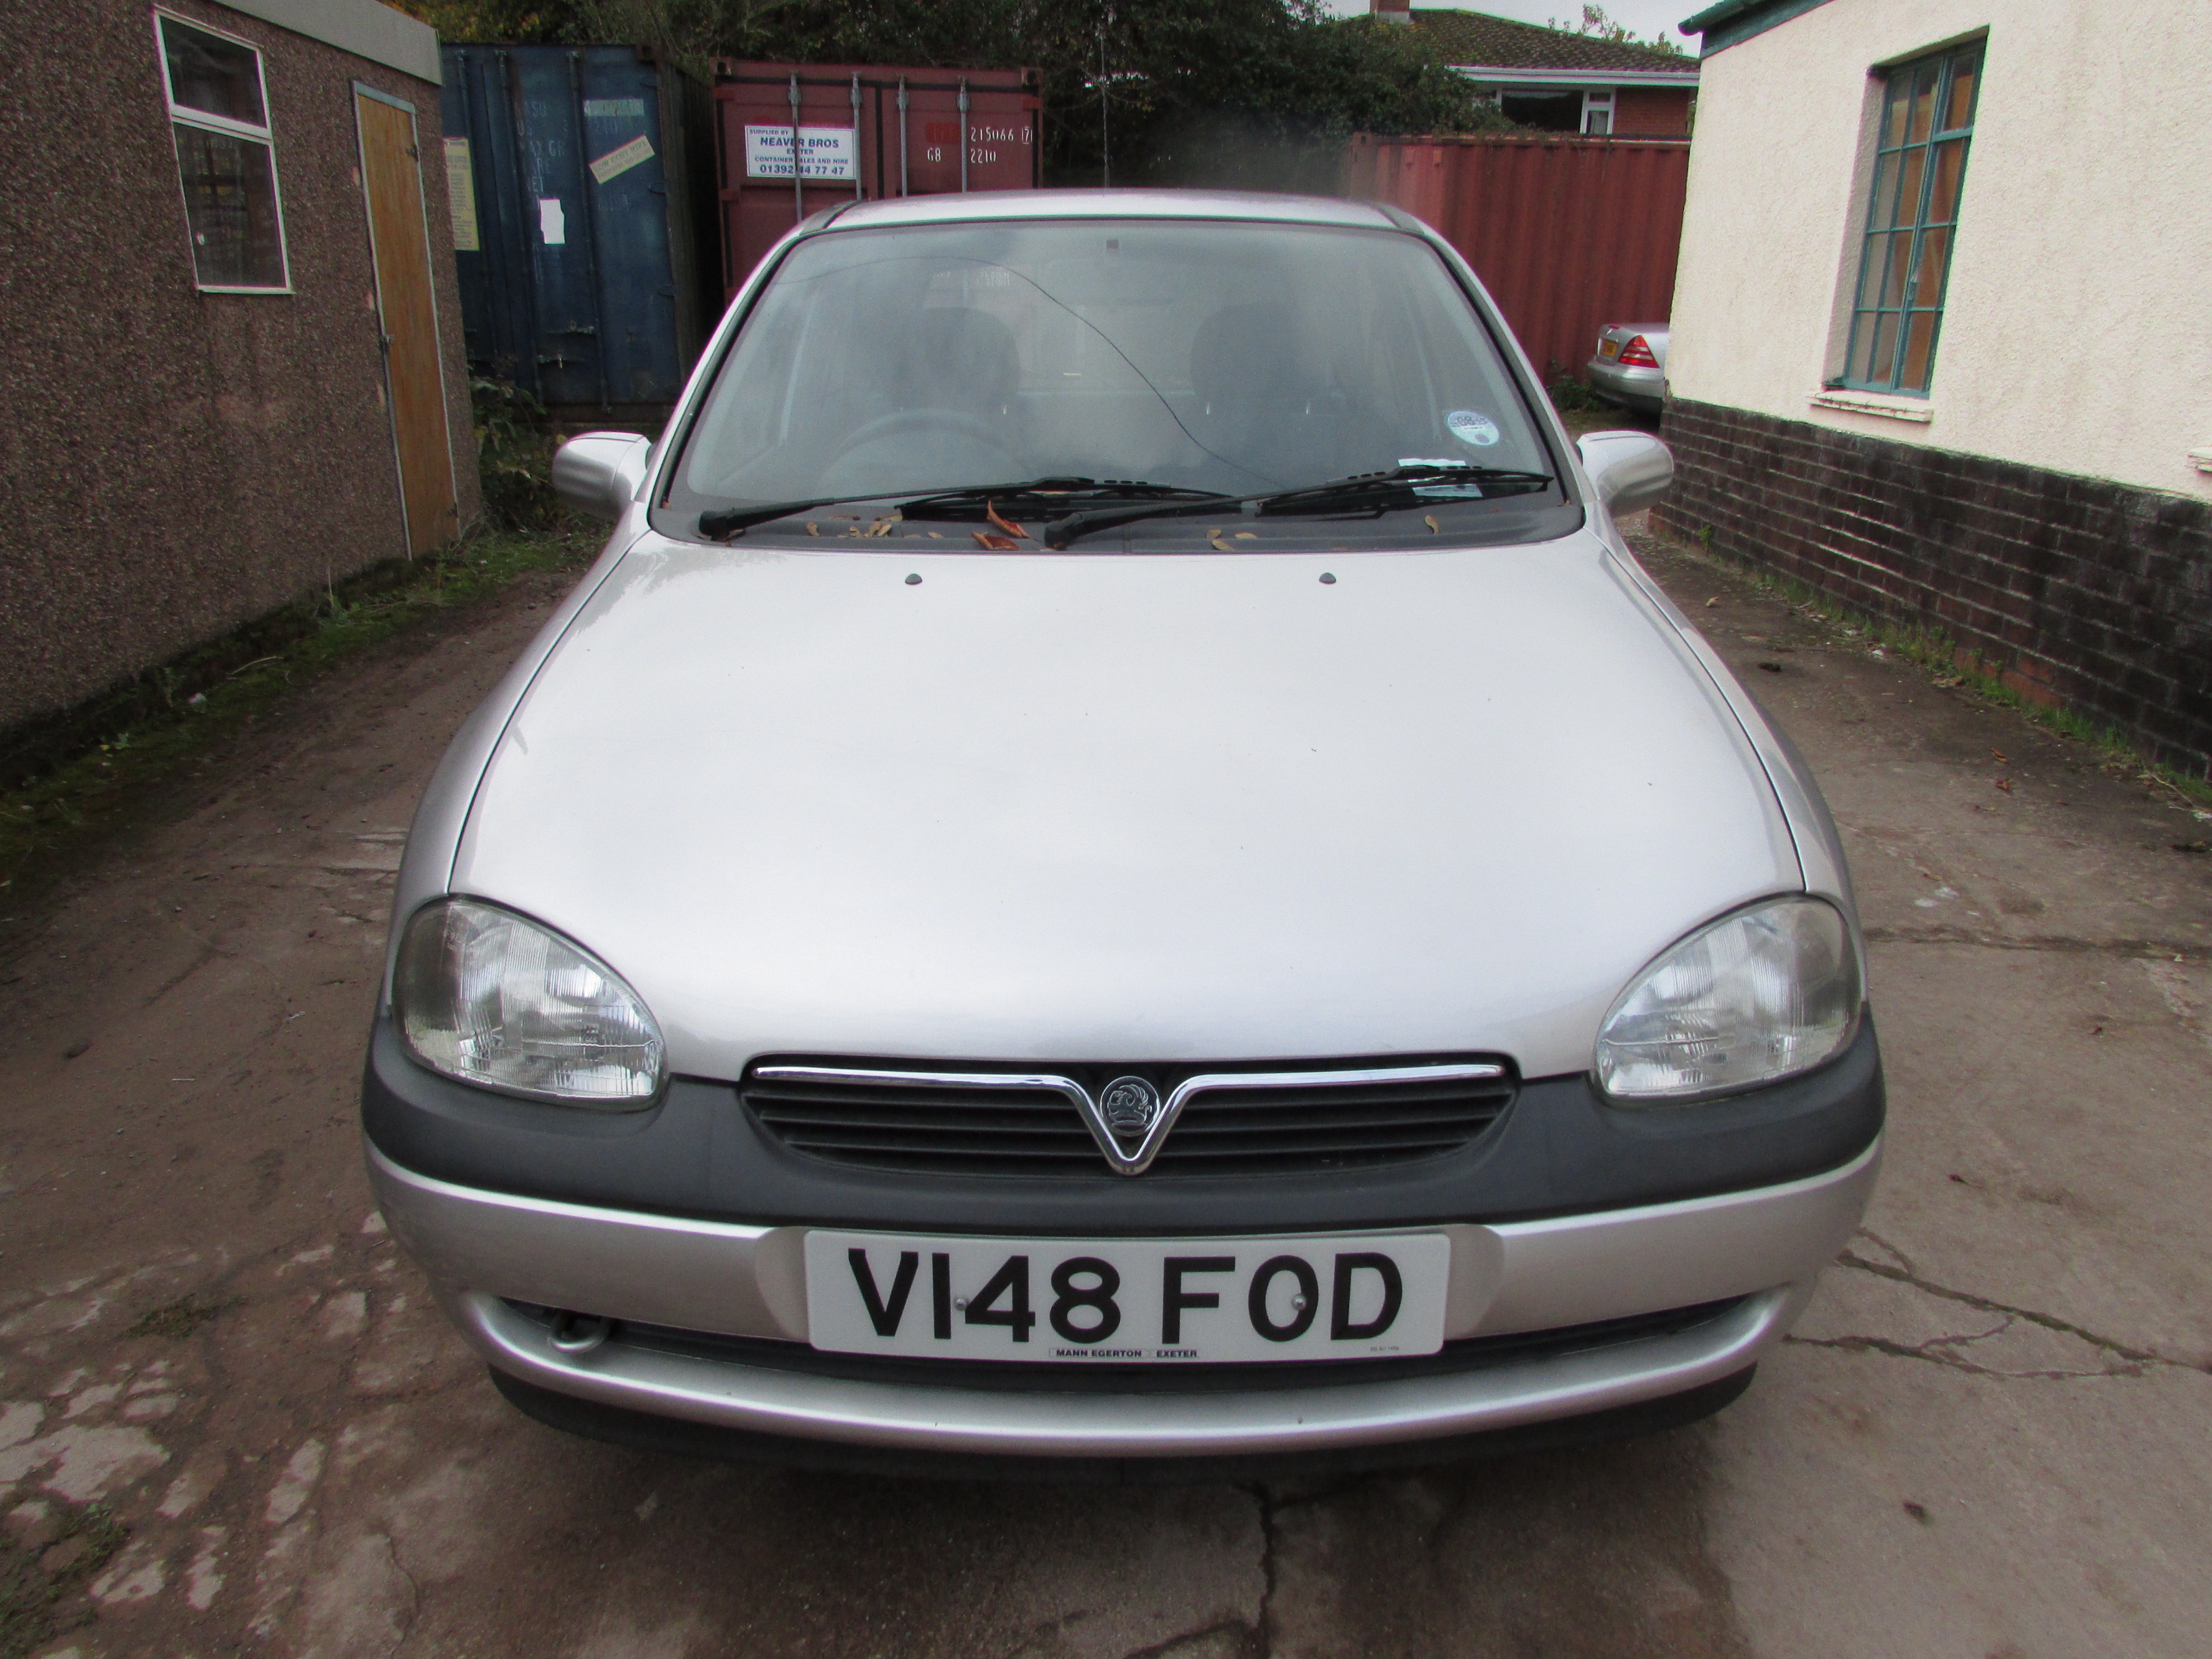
(515, 457)
(1569, 395)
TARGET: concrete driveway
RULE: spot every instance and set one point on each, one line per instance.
(1991, 1436)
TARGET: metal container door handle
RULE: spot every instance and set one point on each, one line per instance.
(586, 200)
(902, 110)
(964, 135)
(798, 189)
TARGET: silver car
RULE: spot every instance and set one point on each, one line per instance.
(1629, 366)
(1117, 869)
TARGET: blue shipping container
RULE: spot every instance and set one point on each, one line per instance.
(580, 178)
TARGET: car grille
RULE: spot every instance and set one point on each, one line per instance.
(886, 1115)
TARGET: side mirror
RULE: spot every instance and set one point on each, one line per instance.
(599, 472)
(1629, 471)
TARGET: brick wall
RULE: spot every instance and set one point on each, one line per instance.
(1650, 112)
(2074, 590)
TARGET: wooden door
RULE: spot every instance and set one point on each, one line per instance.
(407, 316)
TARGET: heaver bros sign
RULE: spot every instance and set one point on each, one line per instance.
(824, 152)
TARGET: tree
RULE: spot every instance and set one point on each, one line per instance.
(1599, 27)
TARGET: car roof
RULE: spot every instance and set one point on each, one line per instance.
(1005, 205)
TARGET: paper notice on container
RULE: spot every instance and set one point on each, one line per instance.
(552, 223)
(615, 162)
(823, 153)
(461, 196)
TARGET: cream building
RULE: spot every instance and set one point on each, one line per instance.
(1942, 331)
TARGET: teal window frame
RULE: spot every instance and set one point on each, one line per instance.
(1921, 151)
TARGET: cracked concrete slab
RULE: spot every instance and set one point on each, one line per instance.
(1990, 1436)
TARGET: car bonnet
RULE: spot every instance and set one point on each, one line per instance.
(1207, 806)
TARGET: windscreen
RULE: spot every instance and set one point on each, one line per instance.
(1195, 360)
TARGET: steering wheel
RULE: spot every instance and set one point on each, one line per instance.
(901, 422)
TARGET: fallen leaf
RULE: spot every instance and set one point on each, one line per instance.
(1429, 520)
(936, 535)
(1245, 536)
(2005, 784)
(1214, 537)
(813, 528)
(1997, 755)
(990, 544)
(1007, 525)
(1710, 603)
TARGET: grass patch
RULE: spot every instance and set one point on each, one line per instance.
(72, 778)
(179, 1318)
(1951, 667)
(30, 1594)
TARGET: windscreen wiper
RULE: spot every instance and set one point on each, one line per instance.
(1405, 486)
(1037, 498)
(721, 523)
(1411, 484)
(1045, 498)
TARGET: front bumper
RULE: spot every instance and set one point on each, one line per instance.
(1757, 1251)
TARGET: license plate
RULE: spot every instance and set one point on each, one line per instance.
(1121, 1301)
(1609, 348)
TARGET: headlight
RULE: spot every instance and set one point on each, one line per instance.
(484, 995)
(1772, 990)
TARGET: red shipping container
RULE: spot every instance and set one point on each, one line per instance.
(1568, 234)
(861, 132)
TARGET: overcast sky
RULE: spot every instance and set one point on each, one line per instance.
(1643, 17)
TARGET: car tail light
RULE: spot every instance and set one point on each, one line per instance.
(1637, 353)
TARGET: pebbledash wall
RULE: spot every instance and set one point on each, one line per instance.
(2049, 503)
(176, 462)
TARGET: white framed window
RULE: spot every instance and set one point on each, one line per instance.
(226, 157)
(1597, 114)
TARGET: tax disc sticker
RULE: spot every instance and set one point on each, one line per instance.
(1472, 426)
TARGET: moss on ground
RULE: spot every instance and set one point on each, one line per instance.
(176, 1319)
(1947, 666)
(111, 750)
(34, 1597)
